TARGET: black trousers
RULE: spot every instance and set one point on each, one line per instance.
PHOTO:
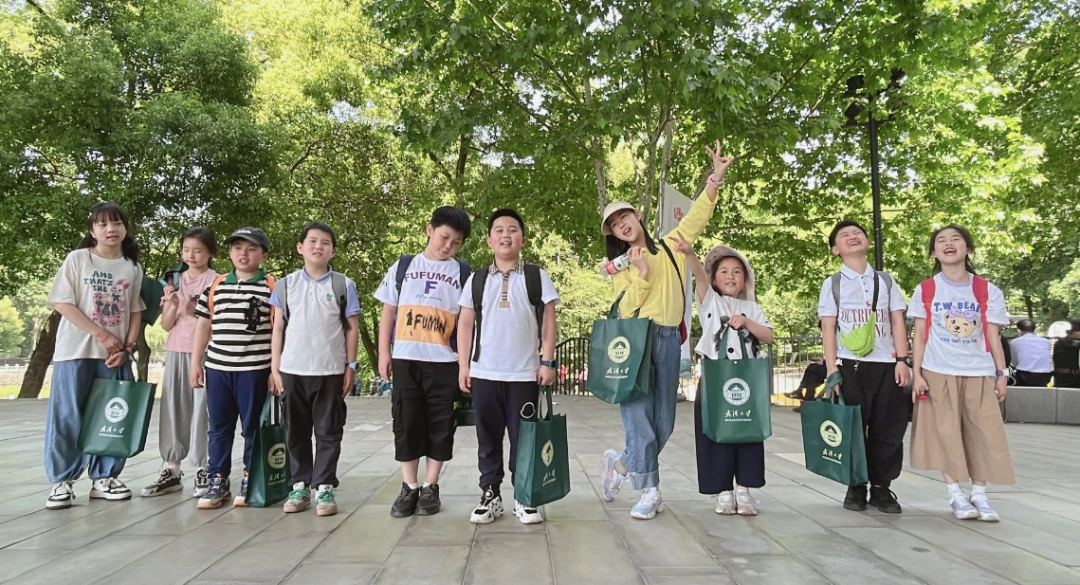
(885, 407)
(721, 465)
(1033, 379)
(422, 404)
(497, 406)
(314, 403)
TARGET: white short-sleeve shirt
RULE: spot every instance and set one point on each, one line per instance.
(714, 313)
(856, 301)
(427, 309)
(509, 336)
(957, 346)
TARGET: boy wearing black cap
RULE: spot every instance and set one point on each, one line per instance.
(233, 335)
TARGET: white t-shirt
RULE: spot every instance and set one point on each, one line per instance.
(714, 313)
(427, 309)
(107, 291)
(856, 300)
(509, 340)
(1031, 354)
(957, 346)
(315, 337)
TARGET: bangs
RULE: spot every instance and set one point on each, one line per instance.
(106, 212)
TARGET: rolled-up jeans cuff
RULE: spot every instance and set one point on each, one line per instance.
(644, 481)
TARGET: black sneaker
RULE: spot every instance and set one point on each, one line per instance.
(405, 504)
(884, 499)
(166, 483)
(429, 503)
(856, 498)
(490, 508)
(217, 494)
(202, 483)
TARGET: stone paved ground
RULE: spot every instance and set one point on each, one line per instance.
(802, 536)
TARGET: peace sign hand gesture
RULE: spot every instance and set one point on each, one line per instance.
(684, 247)
(720, 163)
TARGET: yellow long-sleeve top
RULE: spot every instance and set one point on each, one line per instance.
(660, 296)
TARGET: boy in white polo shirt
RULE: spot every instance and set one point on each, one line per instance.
(501, 366)
(314, 365)
(873, 362)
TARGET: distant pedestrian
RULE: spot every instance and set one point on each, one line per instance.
(1031, 356)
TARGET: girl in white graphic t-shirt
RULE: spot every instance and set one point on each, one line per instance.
(959, 376)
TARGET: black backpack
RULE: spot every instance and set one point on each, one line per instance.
(535, 291)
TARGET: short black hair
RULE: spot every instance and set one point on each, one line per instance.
(842, 225)
(322, 227)
(1026, 326)
(505, 213)
(453, 218)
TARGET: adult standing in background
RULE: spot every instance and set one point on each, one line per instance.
(1067, 358)
(1031, 356)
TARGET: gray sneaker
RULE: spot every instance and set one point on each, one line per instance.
(324, 501)
(166, 483)
(299, 498)
(202, 483)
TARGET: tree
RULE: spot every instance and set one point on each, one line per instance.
(11, 328)
(30, 300)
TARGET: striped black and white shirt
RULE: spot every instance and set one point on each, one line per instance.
(240, 328)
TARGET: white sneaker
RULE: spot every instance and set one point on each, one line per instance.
(746, 502)
(962, 508)
(61, 497)
(111, 489)
(986, 513)
(202, 483)
(527, 515)
(725, 504)
(650, 503)
(490, 508)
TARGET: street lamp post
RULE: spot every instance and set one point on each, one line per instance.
(854, 90)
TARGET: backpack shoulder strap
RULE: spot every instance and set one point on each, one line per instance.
(270, 284)
(981, 288)
(929, 289)
(213, 289)
(834, 282)
(888, 287)
(402, 269)
(479, 283)
(464, 270)
(535, 289)
(283, 297)
(340, 286)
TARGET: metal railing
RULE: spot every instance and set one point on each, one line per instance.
(572, 356)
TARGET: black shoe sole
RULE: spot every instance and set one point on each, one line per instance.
(428, 512)
(888, 510)
(402, 514)
(855, 507)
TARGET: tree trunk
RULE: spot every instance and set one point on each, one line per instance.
(370, 347)
(143, 361)
(1030, 307)
(40, 359)
(596, 150)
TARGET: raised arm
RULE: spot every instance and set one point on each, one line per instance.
(696, 267)
(701, 211)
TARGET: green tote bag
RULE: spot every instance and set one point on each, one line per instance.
(620, 356)
(268, 475)
(542, 474)
(833, 440)
(735, 398)
(116, 419)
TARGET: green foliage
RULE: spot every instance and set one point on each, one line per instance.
(30, 301)
(11, 328)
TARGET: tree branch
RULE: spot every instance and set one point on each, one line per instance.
(441, 166)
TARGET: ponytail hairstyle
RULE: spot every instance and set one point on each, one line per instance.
(617, 247)
(206, 237)
(110, 211)
(968, 240)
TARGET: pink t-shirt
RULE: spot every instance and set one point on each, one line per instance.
(183, 332)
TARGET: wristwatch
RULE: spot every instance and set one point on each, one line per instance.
(353, 366)
(905, 360)
(998, 374)
(549, 363)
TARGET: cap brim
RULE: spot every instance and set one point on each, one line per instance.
(231, 239)
(604, 229)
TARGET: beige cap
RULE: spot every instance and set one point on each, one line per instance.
(610, 210)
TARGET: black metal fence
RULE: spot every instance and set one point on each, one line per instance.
(572, 356)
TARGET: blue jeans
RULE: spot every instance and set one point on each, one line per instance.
(649, 419)
(71, 384)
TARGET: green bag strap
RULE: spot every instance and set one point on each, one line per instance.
(545, 393)
(271, 411)
(726, 342)
(832, 382)
(614, 312)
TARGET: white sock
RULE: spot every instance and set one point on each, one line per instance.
(413, 486)
(978, 491)
(954, 488)
(426, 484)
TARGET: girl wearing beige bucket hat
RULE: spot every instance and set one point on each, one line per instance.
(652, 284)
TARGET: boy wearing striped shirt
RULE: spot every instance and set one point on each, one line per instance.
(233, 335)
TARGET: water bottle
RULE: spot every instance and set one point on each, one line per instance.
(613, 267)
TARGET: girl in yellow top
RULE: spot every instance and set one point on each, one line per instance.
(652, 284)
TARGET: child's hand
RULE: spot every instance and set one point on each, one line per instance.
(546, 376)
(637, 258)
(684, 247)
(276, 385)
(918, 388)
(170, 297)
(1001, 387)
(464, 380)
(720, 163)
(384, 365)
(197, 376)
(347, 385)
(110, 342)
(116, 360)
(737, 321)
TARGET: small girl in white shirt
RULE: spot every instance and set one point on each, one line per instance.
(725, 293)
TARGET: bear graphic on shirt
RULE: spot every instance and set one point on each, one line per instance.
(109, 304)
(961, 323)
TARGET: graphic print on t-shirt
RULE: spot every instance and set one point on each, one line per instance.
(110, 298)
(960, 319)
(859, 317)
(425, 323)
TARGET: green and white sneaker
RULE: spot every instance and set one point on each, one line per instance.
(299, 498)
(324, 501)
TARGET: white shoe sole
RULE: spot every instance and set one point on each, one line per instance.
(972, 515)
(486, 518)
(989, 518)
(326, 511)
(57, 505)
(207, 505)
(531, 519)
(99, 495)
(650, 516)
(294, 509)
(155, 493)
